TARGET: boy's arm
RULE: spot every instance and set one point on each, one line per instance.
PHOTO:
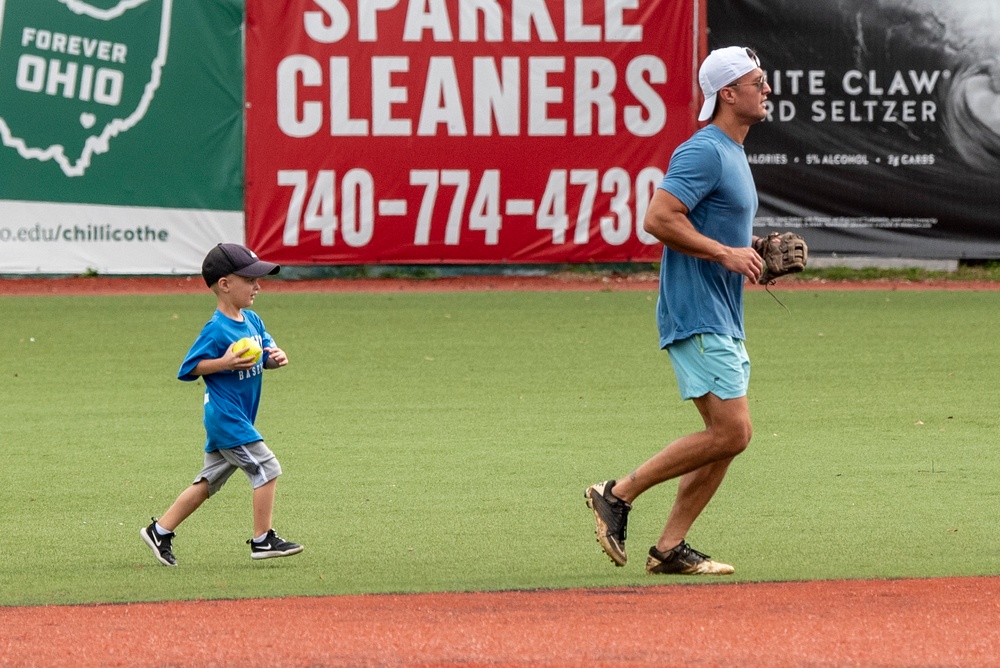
(276, 357)
(231, 361)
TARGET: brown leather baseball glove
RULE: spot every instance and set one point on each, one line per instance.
(783, 253)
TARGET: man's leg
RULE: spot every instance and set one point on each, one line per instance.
(700, 460)
(727, 434)
(728, 424)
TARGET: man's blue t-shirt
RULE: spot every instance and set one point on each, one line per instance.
(710, 175)
(231, 397)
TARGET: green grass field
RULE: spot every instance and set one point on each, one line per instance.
(443, 442)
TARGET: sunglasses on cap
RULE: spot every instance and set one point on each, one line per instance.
(759, 83)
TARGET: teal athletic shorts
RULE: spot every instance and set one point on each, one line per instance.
(713, 363)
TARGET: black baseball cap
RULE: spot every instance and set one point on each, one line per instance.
(227, 259)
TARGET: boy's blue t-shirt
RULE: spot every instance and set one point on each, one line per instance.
(231, 397)
(710, 175)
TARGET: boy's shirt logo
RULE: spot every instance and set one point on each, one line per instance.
(252, 372)
(75, 74)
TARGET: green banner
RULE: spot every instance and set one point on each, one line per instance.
(122, 102)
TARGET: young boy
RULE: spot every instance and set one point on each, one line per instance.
(232, 395)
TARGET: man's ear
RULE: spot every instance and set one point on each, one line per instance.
(223, 284)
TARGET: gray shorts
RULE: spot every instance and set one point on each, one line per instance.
(255, 460)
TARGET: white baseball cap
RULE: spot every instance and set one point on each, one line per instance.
(721, 68)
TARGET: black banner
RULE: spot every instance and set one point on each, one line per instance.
(883, 136)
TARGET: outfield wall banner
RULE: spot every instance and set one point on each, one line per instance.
(479, 131)
(884, 130)
(121, 134)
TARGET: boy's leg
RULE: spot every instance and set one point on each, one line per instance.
(162, 544)
(187, 502)
(262, 470)
(263, 508)
(213, 475)
(272, 545)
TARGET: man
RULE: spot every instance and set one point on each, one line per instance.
(703, 213)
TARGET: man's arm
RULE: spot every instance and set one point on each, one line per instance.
(666, 219)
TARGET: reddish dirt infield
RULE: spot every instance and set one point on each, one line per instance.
(945, 622)
(933, 622)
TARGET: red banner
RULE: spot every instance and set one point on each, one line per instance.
(463, 131)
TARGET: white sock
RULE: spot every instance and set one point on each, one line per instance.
(260, 538)
(160, 530)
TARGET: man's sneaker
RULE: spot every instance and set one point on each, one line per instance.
(684, 560)
(160, 545)
(611, 515)
(273, 546)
